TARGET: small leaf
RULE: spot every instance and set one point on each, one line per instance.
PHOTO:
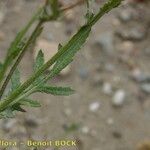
(7, 113)
(39, 61)
(18, 43)
(56, 90)
(59, 46)
(15, 80)
(72, 127)
(89, 16)
(55, 7)
(30, 103)
(17, 107)
(70, 49)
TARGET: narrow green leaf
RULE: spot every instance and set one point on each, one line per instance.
(39, 62)
(108, 6)
(55, 7)
(61, 59)
(15, 80)
(59, 46)
(18, 43)
(72, 127)
(70, 50)
(89, 15)
(7, 113)
(56, 90)
(17, 107)
(30, 103)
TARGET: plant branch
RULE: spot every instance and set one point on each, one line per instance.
(30, 40)
(14, 45)
(13, 96)
(4, 85)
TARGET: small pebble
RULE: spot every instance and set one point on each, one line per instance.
(106, 41)
(83, 73)
(110, 121)
(67, 112)
(139, 76)
(97, 80)
(127, 47)
(147, 51)
(119, 98)
(107, 88)
(133, 34)
(93, 107)
(117, 134)
(145, 87)
(9, 124)
(85, 130)
(109, 67)
(31, 122)
(125, 15)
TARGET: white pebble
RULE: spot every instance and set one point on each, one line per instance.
(107, 88)
(94, 106)
(119, 98)
(110, 121)
(85, 130)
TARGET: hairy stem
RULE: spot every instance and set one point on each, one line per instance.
(30, 40)
(9, 55)
(10, 99)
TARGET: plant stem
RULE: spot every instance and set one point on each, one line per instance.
(30, 40)
(5, 103)
(9, 100)
(9, 55)
(105, 9)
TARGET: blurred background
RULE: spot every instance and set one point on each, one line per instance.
(111, 76)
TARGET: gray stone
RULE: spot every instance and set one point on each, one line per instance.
(125, 15)
(9, 124)
(107, 88)
(106, 41)
(119, 98)
(117, 134)
(145, 87)
(147, 51)
(93, 107)
(140, 76)
(97, 80)
(85, 130)
(133, 34)
(31, 122)
(83, 73)
(110, 121)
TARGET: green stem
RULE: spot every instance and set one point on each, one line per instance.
(30, 40)
(4, 103)
(9, 100)
(9, 54)
(105, 9)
